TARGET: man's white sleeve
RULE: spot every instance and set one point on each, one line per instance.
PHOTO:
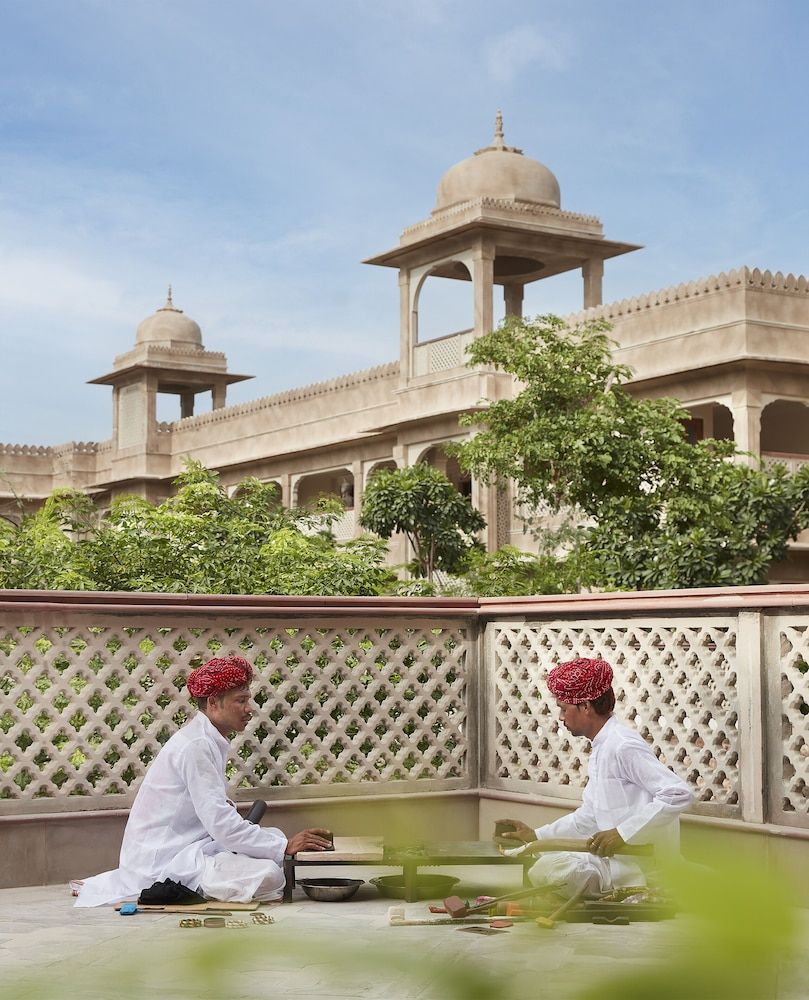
(203, 778)
(670, 794)
(580, 823)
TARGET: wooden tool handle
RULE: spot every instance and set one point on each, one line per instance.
(517, 894)
(568, 904)
(567, 844)
(257, 810)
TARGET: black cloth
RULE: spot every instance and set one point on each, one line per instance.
(169, 893)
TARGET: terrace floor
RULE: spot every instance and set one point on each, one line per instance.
(342, 950)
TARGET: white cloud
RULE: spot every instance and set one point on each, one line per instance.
(509, 54)
(44, 282)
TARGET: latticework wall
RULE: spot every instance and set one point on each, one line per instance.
(369, 696)
(789, 739)
(675, 681)
(87, 704)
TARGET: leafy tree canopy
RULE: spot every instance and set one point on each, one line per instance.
(656, 511)
(422, 503)
(198, 541)
(510, 572)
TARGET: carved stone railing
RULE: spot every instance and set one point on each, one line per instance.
(442, 353)
(793, 462)
(375, 695)
(350, 698)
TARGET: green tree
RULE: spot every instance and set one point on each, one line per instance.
(422, 503)
(655, 511)
(198, 541)
(510, 572)
(40, 552)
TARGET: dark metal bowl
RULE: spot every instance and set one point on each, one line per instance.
(427, 886)
(330, 890)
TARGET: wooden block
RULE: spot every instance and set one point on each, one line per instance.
(346, 850)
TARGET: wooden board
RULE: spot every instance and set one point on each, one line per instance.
(346, 850)
(211, 906)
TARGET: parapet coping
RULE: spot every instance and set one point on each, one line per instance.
(743, 277)
(523, 207)
(72, 447)
(704, 600)
(379, 372)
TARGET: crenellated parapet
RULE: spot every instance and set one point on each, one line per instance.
(143, 352)
(548, 213)
(743, 277)
(26, 449)
(81, 447)
(379, 373)
(71, 447)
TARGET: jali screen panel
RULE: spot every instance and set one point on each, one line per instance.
(675, 681)
(85, 706)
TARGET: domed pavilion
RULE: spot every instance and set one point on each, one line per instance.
(497, 221)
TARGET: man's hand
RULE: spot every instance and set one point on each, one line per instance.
(605, 843)
(315, 839)
(519, 831)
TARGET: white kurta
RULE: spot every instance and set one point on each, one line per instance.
(628, 790)
(183, 827)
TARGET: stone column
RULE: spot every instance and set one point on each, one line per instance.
(359, 485)
(286, 490)
(407, 323)
(484, 498)
(593, 274)
(150, 387)
(513, 295)
(483, 280)
(219, 395)
(186, 404)
(746, 410)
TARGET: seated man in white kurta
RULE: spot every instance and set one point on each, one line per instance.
(183, 827)
(630, 798)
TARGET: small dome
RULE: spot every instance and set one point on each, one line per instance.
(168, 326)
(498, 171)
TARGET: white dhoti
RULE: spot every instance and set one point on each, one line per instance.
(568, 872)
(234, 878)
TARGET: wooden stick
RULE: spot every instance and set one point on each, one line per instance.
(549, 922)
(575, 846)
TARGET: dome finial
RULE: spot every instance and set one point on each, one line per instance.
(498, 144)
(498, 129)
(169, 306)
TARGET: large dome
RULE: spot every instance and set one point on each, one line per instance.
(498, 171)
(169, 326)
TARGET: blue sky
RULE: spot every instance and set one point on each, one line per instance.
(252, 153)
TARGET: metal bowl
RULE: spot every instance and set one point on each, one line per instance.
(427, 886)
(330, 890)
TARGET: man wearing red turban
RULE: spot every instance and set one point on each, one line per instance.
(182, 827)
(630, 798)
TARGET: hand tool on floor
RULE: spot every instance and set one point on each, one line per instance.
(457, 908)
(566, 844)
(397, 918)
(549, 922)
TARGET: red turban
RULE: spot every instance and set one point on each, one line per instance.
(218, 675)
(580, 680)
